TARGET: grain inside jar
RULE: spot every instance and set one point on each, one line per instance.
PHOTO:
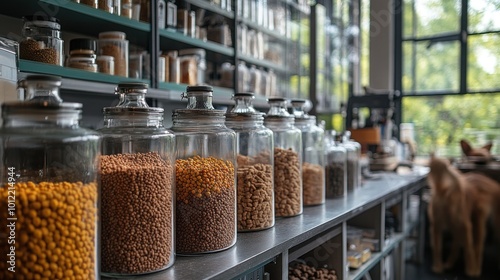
(114, 44)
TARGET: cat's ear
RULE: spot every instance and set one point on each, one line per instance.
(466, 148)
(488, 146)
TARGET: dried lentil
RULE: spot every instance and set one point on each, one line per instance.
(255, 197)
(55, 230)
(335, 180)
(287, 183)
(206, 205)
(31, 50)
(299, 271)
(137, 210)
(313, 184)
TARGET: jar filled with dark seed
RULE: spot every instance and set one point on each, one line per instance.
(287, 159)
(205, 175)
(357, 146)
(336, 165)
(255, 191)
(313, 154)
(42, 40)
(137, 180)
(48, 186)
(352, 163)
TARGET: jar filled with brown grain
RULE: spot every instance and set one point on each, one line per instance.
(82, 54)
(313, 158)
(287, 159)
(110, 6)
(205, 175)
(192, 66)
(105, 64)
(353, 165)
(357, 146)
(42, 40)
(255, 190)
(137, 186)
(336, 165)
(114, 43)
(48, 186)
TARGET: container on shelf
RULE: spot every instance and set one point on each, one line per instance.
(114, 43)
(171, 15)
(335, 165)
(108, 5)
(243, 77)
(162, 14)
(358, 179)
(91, 3)
(126, 8)
(106, 64)
(82, 54)
(255, 79)
(313, 158)
(49, 179)
(174, 67)
(42, 40)
(192, 66)
(353, 169)
(287, 159)
(137, 186)
(205, 176)
(255, 190)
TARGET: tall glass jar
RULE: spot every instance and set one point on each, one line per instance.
(336, 166)
(42, 40)
(313, 154)
(287, 159)
(48, 189)
(357, 146)
(352, 163)
(255, 190)
(137, 181)
(205, 176)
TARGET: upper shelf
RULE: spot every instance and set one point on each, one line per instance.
(80, 18)
(170, 39)
(206, 5)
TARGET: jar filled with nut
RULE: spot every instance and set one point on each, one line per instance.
(113, 43)
(287, 159)
(353, 166)
(137, 180)
(42, 40)
(336, 165)
(255, 191)
(49, 187)
(313, 157)
(205, 176)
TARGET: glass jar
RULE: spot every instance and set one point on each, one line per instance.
(352, 163)
(255, 191)
(287, 159)
(42, 40)
(205, 176)
(113, 43)
(192, 66)
(91, 3)
(106, 64)
(336, 166)
(358, 173)
(137, 186)
(49, 188)
(313, 158)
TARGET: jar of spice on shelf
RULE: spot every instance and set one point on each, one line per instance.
(82, 54)
(336, 165)
(313, 159)
(137, 180)
(51, 164)
(42, 40)
(255, 191)
(113, 43)
(287, 159)
(205, 176)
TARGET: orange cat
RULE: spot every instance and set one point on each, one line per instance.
(483, 153)
(462, 204)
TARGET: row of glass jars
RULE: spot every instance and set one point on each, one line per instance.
(52, 165)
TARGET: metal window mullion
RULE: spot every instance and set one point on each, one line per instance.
(464, 20)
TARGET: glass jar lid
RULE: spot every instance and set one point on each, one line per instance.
(199, 104)
(300, 108)
(82, 44)
(41, 89)
(278, 108)
(40, 21)
(132, 101)
(243, 103)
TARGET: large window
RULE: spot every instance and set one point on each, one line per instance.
(449, 72)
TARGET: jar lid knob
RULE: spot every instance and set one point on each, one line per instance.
(278, 106)
(132, 94)
(41, 88)
(243, 102)
(300, 108)
(199, 97)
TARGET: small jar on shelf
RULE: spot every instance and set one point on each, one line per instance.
(205, 176)
(42, 40)
(114, 43)
(106, 64)
(287, 159)
(137, 179)
(313, 159)
(82, 54)
(255, 191)
(335, 166)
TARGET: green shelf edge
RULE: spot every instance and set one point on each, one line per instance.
(65, 72)
(214, 47)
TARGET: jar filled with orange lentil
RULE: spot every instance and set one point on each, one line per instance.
(137, 186)
(205, 176)
(313, 153)
(255, 190)
(48, 187)
(287, 159)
